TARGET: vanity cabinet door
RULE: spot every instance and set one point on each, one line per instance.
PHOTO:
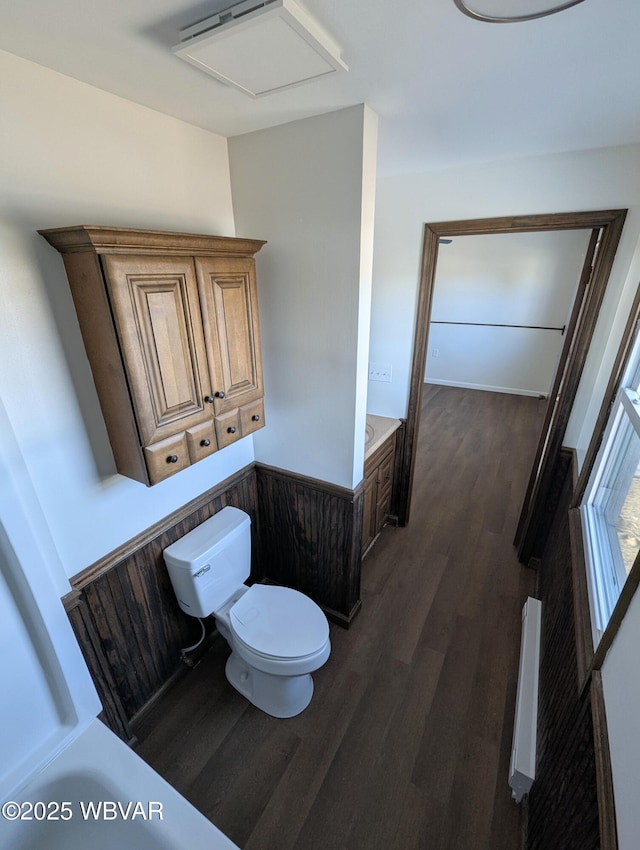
(157, 313)
(229, 304)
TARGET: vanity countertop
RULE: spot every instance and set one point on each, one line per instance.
(379, 429)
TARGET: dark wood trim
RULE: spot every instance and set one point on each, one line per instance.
(581, 609)
(606, 801)
(71, 600)
(590, 659)
(312, 483)
(113, 714)
(534, 529)
(104, 564)
(629, 337)
(430, 245)
(527, 223)
(340, 619)
(401, 433)
(610, 220)
(617, 616)
(552, 405)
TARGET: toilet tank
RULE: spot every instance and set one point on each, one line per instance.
(210, 563)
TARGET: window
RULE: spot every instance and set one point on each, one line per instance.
(611, 505)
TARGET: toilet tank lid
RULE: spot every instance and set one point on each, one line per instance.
(206, 538)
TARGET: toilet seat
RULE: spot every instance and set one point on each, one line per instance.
(278, 623)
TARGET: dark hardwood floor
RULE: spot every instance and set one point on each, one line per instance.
(406, 743)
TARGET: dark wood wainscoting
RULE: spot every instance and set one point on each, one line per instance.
(563, 804)
(306, 534)
(124, 612)
(311, 539)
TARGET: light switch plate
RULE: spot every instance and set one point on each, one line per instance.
(380, 372)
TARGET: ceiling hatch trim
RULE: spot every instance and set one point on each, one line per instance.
(261, 47)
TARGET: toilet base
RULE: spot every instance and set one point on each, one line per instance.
(279, 696)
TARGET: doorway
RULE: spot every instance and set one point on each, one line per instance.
(606, 227)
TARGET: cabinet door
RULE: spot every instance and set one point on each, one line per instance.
(230, 314)
(157, 312)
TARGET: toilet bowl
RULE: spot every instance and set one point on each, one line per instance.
(278, 636)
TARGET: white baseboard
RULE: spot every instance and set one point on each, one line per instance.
(511, 390)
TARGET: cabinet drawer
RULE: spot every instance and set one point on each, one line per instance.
(202, 441)
(167, 457)
(228, 428)
(251, 417)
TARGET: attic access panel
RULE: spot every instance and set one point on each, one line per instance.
(261, 50)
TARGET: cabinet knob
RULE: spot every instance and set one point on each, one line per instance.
(219, 394)
(172, 459)
(205, 443)
(231, 429)
(209, 399)
(255, 418)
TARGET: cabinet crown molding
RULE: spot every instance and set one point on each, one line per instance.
(122, 240)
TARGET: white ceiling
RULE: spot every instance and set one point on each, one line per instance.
(447, 89)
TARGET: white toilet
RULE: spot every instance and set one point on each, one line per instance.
(278, 636)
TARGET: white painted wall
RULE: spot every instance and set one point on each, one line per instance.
(512, 279)
(598, 179)
(72, 154)
(308, 188)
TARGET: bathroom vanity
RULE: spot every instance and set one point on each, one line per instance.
(379, 466)
(170, 327)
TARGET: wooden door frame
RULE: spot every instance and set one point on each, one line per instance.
(611, 223)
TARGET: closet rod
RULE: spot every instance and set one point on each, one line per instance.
(496, 325)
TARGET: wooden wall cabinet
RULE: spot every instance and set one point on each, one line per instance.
(170, 326)
(378, 488)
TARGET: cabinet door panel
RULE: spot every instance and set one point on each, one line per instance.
(230, 314)
(385, 472)
(156, 307)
